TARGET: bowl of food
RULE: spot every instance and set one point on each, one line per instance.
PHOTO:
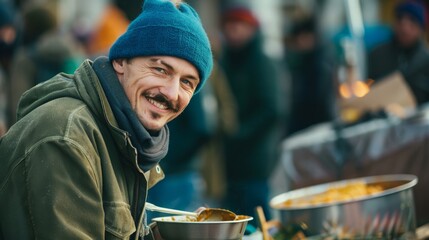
(186, 227)
(368, 207)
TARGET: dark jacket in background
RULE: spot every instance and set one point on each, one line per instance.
(42, 60)
(251, 152)
(413, 63)
(313, 93)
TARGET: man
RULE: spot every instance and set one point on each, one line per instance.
(405, 52)
(251, 151)
(86, 147)
(9, 34)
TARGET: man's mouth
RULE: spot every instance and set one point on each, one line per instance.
(159, 105)
(162, 102)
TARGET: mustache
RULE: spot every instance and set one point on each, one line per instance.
(159, 97)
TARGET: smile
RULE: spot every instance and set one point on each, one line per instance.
(157, 104)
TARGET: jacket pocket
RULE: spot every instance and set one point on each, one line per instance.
(119, 221)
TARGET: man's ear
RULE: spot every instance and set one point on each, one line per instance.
(118, 65)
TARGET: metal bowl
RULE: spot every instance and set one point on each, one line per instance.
(388, 214)
(180, 227)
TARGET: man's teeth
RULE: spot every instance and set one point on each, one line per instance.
(157, 104)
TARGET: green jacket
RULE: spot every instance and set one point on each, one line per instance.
(67, 171)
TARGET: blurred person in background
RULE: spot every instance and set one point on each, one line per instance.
(86, 147)
(95, 24)
(9, 40)
(406, 51)
(312, 73)
(110, 26)
(9, 35)
(44, 52)
(251, 151)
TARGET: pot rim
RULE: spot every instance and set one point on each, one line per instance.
(411, 181)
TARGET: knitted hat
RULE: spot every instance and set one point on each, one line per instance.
(413, 9)
(164, 29)
(239, 13)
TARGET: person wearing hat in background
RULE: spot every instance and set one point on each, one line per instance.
(43, 53)
(86, 146)
(405, 52)
(9, 34)
(252, 148)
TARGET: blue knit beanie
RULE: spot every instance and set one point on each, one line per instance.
(164, 29)
(414, 9)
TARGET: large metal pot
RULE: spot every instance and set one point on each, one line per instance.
(389, 214)
(181, 228)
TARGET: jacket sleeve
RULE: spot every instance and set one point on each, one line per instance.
(63, 192)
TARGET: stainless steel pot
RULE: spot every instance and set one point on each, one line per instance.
(388, 214)
(180, 228)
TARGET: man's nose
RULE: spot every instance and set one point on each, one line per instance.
(171, 89)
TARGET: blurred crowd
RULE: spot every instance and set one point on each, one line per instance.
(226, 144)
(39, 39)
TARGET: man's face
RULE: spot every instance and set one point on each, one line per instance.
(159, 88)
(407, 31)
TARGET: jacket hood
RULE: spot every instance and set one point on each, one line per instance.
(57, 87)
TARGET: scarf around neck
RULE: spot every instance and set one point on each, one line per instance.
(151, 148)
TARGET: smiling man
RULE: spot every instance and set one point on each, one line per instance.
(85, 150)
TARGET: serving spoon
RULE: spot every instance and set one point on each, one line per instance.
(204, 215)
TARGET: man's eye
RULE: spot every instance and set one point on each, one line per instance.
(161, 70)
(188, 83)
